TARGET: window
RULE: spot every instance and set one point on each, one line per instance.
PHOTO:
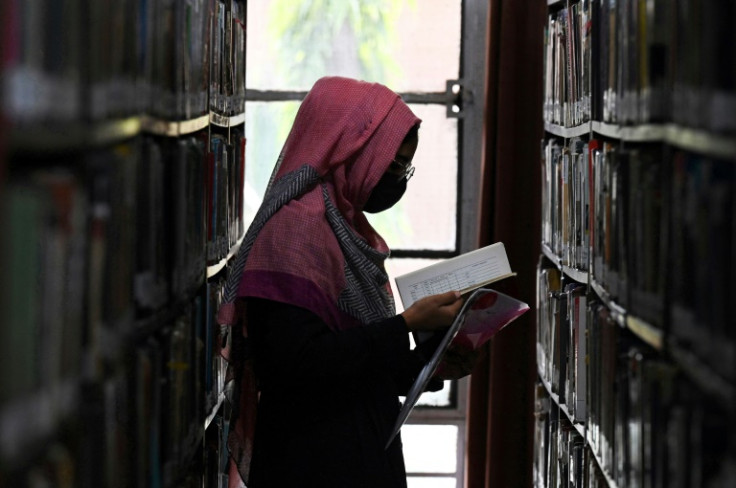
(432, 52)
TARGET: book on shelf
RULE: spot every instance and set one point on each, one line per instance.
(560, 346)
(43, 62)
(568, 49)
(548, 289)
(199, 358)
(574, 233)
(24, 208)
(175, 57)
(193, 30)
(153, 271)
(566, 223)
(542, 405)
(189, 201)
(109, 63)
(239, 49)
(552, 152)
(112, 192)
(215, 367)
(566, 226)
(224, 176)
(577, 355)
(702, 252)
(148, 370)
(645, 229)
(227, 59)
(182, 421)
(610, 220)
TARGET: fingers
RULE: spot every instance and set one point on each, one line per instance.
(433, 312)
(446, 298)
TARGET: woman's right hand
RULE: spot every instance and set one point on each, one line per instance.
(433, 312)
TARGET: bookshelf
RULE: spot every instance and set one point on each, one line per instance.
(122, 171)
(636, 352)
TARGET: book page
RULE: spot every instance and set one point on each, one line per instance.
(463, 273)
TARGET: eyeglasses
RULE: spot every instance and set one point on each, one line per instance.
(402, 169)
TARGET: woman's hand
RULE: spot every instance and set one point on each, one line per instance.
(433, 312)
(457, 362)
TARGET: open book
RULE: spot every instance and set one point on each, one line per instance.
(463, 273)
(483, 314)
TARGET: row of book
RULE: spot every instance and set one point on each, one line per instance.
(225, 182)
(99, 242)
(53, 74)
(70, 259)
(171, 199)
(568, 46)
(566, 201)
(142, 425)
(227, 89)
(173, 60)
(175, 57)
(603, 212)
(630, 225)
(703, 259)
(216, 339)
(216, 454)
(666, 435)
(190, 201)
(167, 205)
(633, 62)
(639, 416)
(563, 338)
(560, 454)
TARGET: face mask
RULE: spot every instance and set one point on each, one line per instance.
(387, 192)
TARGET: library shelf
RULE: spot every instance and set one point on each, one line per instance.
(549, 254)
(577, 425)
(646, 331)
(637, 133)
(691, 139)
(215, 269)
(174, 128)
(580, 428)
(578, 275)
(568, 132)
(226, 121)
(116, 196)
(703, 142)
(152, 323)
(76, 136)
(581, 276)
(648, 180)
(702, 374)
(617, 311)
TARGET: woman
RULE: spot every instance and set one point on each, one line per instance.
(330, 354)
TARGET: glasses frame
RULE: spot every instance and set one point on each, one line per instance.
(402, 169)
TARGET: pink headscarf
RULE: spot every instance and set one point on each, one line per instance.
(347, 132)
